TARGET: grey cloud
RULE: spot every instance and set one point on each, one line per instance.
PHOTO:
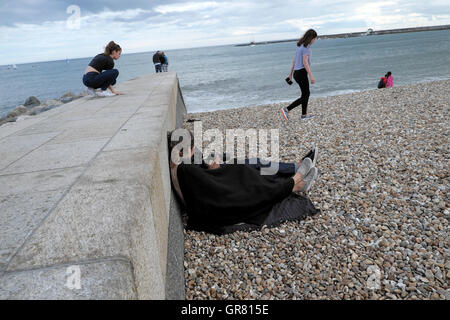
(38, 11)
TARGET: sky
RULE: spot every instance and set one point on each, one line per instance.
(46, 30)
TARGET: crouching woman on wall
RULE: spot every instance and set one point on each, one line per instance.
(100, 73)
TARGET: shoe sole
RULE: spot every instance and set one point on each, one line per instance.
(316, 172)
(284, 116)
(316, 152)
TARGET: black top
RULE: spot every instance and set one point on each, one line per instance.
(102, 62)
(158, 58)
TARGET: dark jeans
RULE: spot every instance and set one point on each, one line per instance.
(301, 77)
(284, 168)
(158, 68)
(101, 80)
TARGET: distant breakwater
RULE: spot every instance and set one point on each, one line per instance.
(369, 32)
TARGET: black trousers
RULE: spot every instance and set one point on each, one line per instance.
(301, 77)
(101, 80)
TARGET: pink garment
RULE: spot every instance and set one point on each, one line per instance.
(390, 82)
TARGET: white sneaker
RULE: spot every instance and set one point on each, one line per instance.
(305, 167)
(92, 91)
(309, 179)
(105, 93)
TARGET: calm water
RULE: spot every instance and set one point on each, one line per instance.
(226, 76)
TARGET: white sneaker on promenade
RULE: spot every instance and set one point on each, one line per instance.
(92, 92)
(105, 93)
(309, 179)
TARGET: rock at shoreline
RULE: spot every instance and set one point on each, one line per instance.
(40, 109)
(46, 108)
(51, 102)
(13, 115)
(6, 120)
(35, 111)
(68, 97)
(16, 112)
(32, 102)
(33, 106)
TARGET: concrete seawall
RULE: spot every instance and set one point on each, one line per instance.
(86, 206)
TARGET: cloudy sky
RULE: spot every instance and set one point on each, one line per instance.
(43, 30)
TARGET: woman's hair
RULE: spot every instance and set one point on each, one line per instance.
(388, 74)
(307, 38)
(111, 47)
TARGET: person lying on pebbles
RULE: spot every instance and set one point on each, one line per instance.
(236, 193)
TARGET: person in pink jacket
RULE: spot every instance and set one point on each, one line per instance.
(389, 80)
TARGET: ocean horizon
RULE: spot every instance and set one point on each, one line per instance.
(224, 77)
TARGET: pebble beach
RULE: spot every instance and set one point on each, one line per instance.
(383, 192)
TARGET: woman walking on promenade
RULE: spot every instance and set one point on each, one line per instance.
(94, 78)
(301, 69)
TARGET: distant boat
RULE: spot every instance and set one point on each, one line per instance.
(14, 66)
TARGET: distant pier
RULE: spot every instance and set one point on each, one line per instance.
(369, 32)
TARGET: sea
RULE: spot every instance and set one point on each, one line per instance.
(223, 77)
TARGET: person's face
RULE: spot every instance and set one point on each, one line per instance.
(116, 54)
(313, 40)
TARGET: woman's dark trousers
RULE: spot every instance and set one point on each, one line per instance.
(101, 80)
(301, 77)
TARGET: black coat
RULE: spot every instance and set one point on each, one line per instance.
(219, 200)
(157, 58)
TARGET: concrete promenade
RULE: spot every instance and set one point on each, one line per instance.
(86, 206)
